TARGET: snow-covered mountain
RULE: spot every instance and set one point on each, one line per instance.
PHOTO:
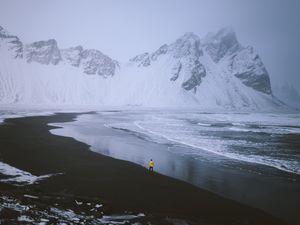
(213, 72)
(10, 43)
(44, 52)
(91, 61)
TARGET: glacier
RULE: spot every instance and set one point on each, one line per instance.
(215, 72)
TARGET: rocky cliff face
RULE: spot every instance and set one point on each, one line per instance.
(91, 61)
(216, 71)
(44, 52)
(184, 54)
(221, 44)
(11, 42)
(72, 55)
(95, 62)
(248, 67)
(223, 48)
(243, 62)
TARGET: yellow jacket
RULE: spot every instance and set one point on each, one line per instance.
(151, 163)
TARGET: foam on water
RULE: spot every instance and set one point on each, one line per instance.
(254, 138)
(240, 129)
(204, 124)
(208, 136)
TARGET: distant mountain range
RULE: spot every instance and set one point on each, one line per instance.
(215, 72)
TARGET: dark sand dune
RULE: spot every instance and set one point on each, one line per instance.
(26, 143)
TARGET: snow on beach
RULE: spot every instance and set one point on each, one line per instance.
(14, 175)
(19, 177)
(26, 210)
(16, 113)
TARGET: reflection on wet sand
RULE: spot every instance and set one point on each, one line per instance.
(257, 185)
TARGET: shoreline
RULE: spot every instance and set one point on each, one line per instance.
(124, 185)
(262, 187)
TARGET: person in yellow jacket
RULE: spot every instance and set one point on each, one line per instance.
(151, 165)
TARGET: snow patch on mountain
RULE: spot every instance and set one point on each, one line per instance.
(248, 67)
(35, 83)
(91, 61)
(72, 55)
(44, 52)
(214, 72)
(220, 44)
(183, 58)
(10, 43)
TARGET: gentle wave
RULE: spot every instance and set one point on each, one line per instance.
(204, 124)
(284, 165)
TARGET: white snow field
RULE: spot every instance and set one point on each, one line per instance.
(19, 177)
(213, 73)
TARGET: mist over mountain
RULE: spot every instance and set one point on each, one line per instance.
(215, 71)
(288, 94)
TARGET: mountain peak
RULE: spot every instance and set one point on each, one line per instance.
(174, 74)
(224, 42)
(223, 32)
(4, 33)
(226, 31)
(188, 44)
(79, 48)
(13, 42)
(92, 61)
(50, 42)
(189, 36)
(44, 52)
(2, 29)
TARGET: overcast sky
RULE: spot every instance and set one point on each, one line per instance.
(124, 28)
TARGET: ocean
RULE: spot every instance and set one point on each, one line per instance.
(253, 158)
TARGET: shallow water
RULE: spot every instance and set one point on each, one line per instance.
(251, 158)
(270, 139)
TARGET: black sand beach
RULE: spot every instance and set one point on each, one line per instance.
(27, 144)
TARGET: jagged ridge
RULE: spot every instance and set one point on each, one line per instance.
(214, 71)
(47, 52)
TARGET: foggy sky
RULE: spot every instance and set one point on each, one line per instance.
(124, 28)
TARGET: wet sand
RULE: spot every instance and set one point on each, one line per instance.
(27, 144)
